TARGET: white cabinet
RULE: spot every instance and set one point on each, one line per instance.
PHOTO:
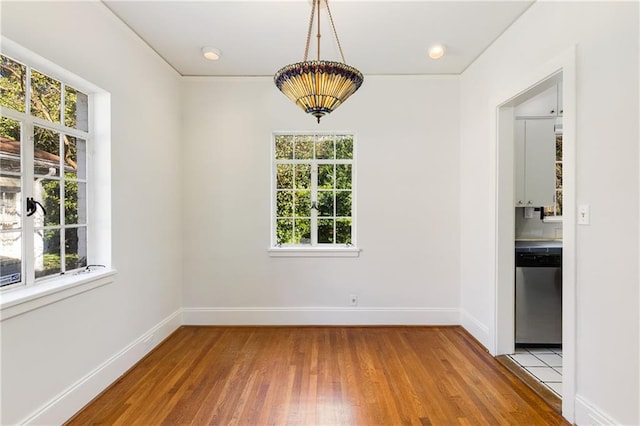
(560, 104)
(535, 162)
(546, 104)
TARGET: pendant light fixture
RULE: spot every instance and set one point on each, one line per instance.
(318, 86)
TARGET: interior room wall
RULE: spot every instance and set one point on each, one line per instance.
(606, 42)
(57, 358)
(190, 193)
(406, 132)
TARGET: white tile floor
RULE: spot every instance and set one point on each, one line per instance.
(544, 364)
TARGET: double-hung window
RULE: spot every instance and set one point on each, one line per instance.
(313, 193)
(44, 160)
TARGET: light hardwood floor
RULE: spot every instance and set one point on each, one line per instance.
(318, 376)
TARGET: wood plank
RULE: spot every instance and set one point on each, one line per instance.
(318, 375)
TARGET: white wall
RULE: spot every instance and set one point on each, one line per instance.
(606, 38)
(56, 358)
(407, 206)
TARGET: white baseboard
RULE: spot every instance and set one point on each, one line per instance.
(588, 413)
(70, 401)
(321, 316)
(476, 328)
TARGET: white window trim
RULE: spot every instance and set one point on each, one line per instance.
(21, 299)
(292, 251)
(321, 250)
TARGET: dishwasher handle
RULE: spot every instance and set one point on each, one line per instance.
(539, 260)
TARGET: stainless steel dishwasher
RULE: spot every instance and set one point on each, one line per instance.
(538, 293)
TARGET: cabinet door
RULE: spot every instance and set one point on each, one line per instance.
(543, 105)
(520, 194)
(539, 162)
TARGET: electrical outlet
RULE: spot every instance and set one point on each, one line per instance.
(353, 300)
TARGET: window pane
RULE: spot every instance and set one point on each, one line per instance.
(343, 176)
(558, 175)
(325, 231)
(325, 203)
(343, 231)
(559, 202)
(284, 204)
(75, 203)
(303, 176)
(284, 231)
(10, 147)
(10, 202)
(284, 147)
(303, 147)
(46, 152)
(76, 112)
(13, 82)
(75, 248)
(324, 148)
(45, 97)
(302, 203)
(302, 231)
(284, 176)
(344, 147)
(47, 252)
(47, 192)
(343, 203)
(11, 258)
(75, 157)
(325, 176)
(83, 205)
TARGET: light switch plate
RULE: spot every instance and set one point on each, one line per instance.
(584, 214)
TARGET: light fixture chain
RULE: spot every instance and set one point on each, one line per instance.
(318, 36)
(335, 33)
(306, 49)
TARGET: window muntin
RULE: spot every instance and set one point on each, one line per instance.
(313, 190)
(51, 167)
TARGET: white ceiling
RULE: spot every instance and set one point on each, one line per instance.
(259, 37)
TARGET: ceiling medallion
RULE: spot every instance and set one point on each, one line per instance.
(318, 87)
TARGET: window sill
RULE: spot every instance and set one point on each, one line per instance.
(314, 252)
(18, 301)
(551, 219)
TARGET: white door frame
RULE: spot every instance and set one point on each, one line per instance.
(503, 114)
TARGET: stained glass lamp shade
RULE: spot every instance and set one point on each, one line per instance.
(318, 87)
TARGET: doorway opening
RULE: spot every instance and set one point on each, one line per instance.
(533, 221)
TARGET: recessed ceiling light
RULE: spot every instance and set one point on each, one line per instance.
(436, 51)
(211, 53)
